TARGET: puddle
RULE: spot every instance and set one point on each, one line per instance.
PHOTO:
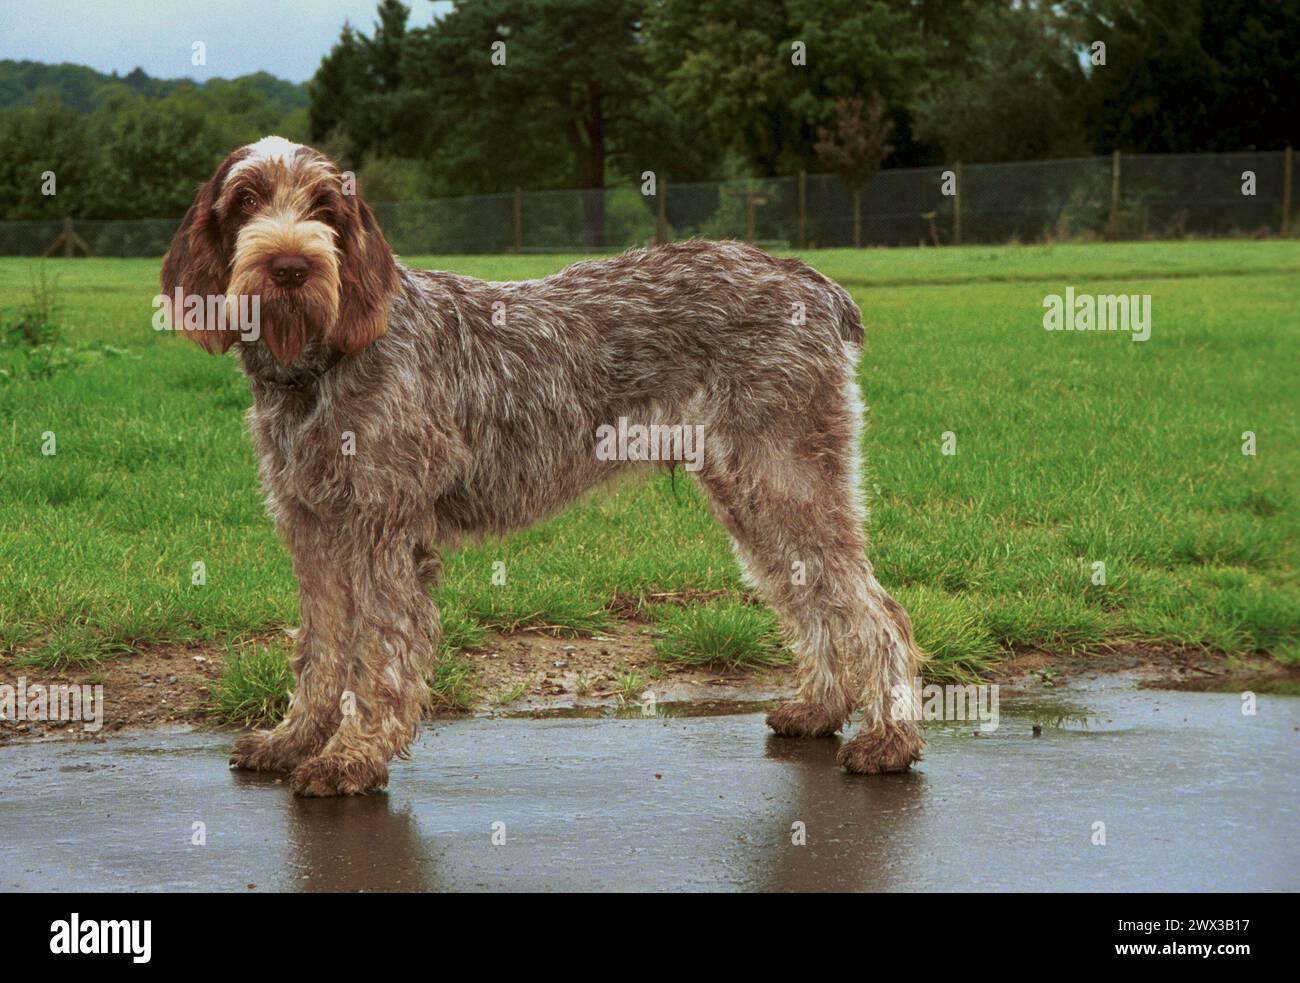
(1287, 685)
(660, 709)
(1054, 714)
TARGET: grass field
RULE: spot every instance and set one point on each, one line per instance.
(1072, 449)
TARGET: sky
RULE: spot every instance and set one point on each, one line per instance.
(287, 38)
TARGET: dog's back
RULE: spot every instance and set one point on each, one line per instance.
(715, 335)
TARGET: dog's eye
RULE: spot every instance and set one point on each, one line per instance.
(248, 202)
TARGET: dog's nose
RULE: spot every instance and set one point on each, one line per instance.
(290, 270)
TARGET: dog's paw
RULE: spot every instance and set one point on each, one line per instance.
(795, 719)
(268, 750)
(338, 774)
(256, 752)
(887, 749)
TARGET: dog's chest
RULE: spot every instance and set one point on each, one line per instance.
(301, 448)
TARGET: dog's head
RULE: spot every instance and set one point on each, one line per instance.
(280, 223)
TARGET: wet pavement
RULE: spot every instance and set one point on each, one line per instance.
(1193, 795)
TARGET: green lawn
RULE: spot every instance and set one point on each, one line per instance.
(1071, 449)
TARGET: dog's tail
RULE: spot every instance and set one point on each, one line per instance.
(844, 312)
(849, 318)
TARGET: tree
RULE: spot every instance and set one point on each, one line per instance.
(1013, 94)
(855, 146)
(523, 79)
(1256, 46)
(358, 93)
(494, 94)
(142, 147)
(334, 89)
(45, 137)
(759, 77)
(1185, 76)
(154, 153)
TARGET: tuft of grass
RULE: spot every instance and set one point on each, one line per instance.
(254, 686)
(452, 677)
(952, 631)
(723, 634)
(628, 684)
(451, 683)
(562, 609)
(31, 337)
(459, 630)
(507, 696)
(38, 320)
(69, 646)
(1059, 623)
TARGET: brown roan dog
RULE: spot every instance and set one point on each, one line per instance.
(398, 411)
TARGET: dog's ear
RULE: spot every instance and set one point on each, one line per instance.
(367, 279)
(197, 264)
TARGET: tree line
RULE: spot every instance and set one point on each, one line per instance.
(125, 147)
(548, 94)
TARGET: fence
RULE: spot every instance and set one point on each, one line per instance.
(1117, 197)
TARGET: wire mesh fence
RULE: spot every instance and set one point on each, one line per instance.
(1117, 197)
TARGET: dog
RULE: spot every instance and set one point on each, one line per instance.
(398, 411)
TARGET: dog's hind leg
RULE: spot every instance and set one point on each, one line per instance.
(384, 690)
(793, 508)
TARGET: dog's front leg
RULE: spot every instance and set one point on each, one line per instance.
(384, 692)
(321, 650)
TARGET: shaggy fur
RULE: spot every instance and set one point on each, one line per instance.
(473, 407)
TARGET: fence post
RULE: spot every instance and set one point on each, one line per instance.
(753, 199)
(68, 241)
(956, 205)
(1112, 224)
(661, 223)
(1287, 171)
(519, 220)
(803, 209)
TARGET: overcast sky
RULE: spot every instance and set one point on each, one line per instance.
(287, 38)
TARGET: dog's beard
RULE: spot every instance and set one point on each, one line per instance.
(284, 320)
(288, 323)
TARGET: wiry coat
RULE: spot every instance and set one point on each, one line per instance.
(476, 409)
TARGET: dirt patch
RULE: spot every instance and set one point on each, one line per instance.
(154, 687)
(1150, 668)
(530, 672)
